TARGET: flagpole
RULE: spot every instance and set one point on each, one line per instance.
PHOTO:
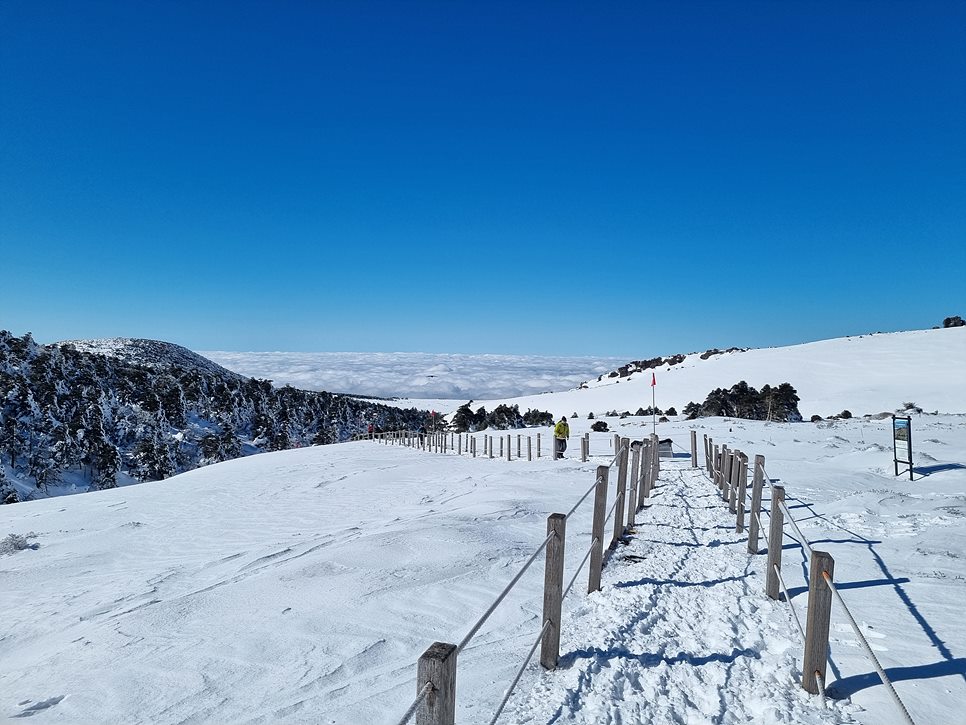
(653, 405)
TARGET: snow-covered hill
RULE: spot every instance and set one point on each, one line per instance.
(150, 353)
(866, 374)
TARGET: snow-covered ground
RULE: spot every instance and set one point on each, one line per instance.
(302, 586)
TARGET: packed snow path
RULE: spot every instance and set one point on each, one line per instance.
(681, 631)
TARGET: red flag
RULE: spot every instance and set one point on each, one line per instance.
(653, 380)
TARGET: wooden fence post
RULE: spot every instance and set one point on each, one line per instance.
(726, 467)
(817, 620)
(459, 445)
(538, 445)
(652, 467)
(553, 590)
(733, 482)
(742, 492)
(643, 487)
(694, 449)
(597, 530)
(716, 466)
(529, 448)
(473, 446)
(632, 488)
(508, 446)
(438, 667)
(756, 483)
(501, 446)
(490, 439)
(621, 490)
(519, 437)
(775, 541)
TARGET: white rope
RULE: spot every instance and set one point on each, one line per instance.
(577, 573)
(516, 679)
(584, 497)
(486, 615)
(761, 526)
(820, 684)
(788, 599)
(419, 701)
(868, 650)
(616, 457)
(617, 500)
(791, 521)
(766, 479)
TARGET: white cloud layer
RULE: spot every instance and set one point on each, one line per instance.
(416, 374)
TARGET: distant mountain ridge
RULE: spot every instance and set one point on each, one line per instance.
(149, 353)
(88, 414)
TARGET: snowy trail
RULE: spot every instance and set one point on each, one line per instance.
(680, 631)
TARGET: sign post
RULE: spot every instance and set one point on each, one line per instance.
(902, 442)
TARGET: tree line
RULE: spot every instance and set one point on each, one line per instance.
(64, 412)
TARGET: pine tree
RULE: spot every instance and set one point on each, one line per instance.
(8, 494)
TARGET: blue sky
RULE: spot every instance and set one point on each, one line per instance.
(626, 179)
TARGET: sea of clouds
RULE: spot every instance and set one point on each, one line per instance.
(416, 374)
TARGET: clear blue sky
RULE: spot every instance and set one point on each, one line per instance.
(625, 178)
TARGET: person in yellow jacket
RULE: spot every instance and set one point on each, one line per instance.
(561, 432)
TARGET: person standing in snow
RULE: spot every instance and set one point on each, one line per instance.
(561, 432)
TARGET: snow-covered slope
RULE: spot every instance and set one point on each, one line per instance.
(150, 353)
(866, 374)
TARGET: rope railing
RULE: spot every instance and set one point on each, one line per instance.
(616, 458)
(584, 497)
(868, 650)
(519, 674)
(820, 684)
(580, 567)
(790, 520)
(440, 659)
(407, 716)
(761, 526)
(715, 468)
(617, 500)
(788, 598)
(486, 615)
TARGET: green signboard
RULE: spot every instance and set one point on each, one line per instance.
(902, 442)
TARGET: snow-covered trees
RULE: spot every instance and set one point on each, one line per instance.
(67, 412)
(500, 418)
(8, 494)
(743, 401)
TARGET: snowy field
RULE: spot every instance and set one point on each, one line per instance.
(302, 586)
